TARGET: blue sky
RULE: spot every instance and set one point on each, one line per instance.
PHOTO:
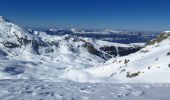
(144, 15)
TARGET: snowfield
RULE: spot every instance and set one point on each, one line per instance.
(148, 65)
(68, 90)
(39, 66)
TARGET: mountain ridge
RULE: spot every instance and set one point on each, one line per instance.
(148, 65)
(26, 55)
(29, 55)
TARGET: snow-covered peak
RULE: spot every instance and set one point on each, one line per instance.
(166, 31)
(80, 31)
(13, 36)
(3, 19)
(112, 31)
(55, 29)
(12, 32)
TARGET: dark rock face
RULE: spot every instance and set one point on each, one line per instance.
(91, 49)
(110, 50)
(10, 45)
(122, 51)
(131, 75)
(126, 51)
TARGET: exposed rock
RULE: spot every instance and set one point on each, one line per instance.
(91, 49)
(168, 53)
(126, 51)
(131, 75)
(159, 39)
(10, 45)
(110, 50)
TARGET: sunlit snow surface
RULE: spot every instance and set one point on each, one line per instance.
(67, 59)
(68, 90)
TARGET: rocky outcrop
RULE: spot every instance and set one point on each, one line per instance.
(119, 51)
(159, 39)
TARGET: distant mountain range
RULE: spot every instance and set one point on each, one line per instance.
(125, 37)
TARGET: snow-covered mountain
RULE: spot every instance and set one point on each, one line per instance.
(39, 55)
(38, 65)
(125, 37)
(150, 64)
(80, 31)
(31, 54)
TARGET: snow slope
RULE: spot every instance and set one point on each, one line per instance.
(39, 66)
(38, 55)
(150, 64)
(40, 90)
